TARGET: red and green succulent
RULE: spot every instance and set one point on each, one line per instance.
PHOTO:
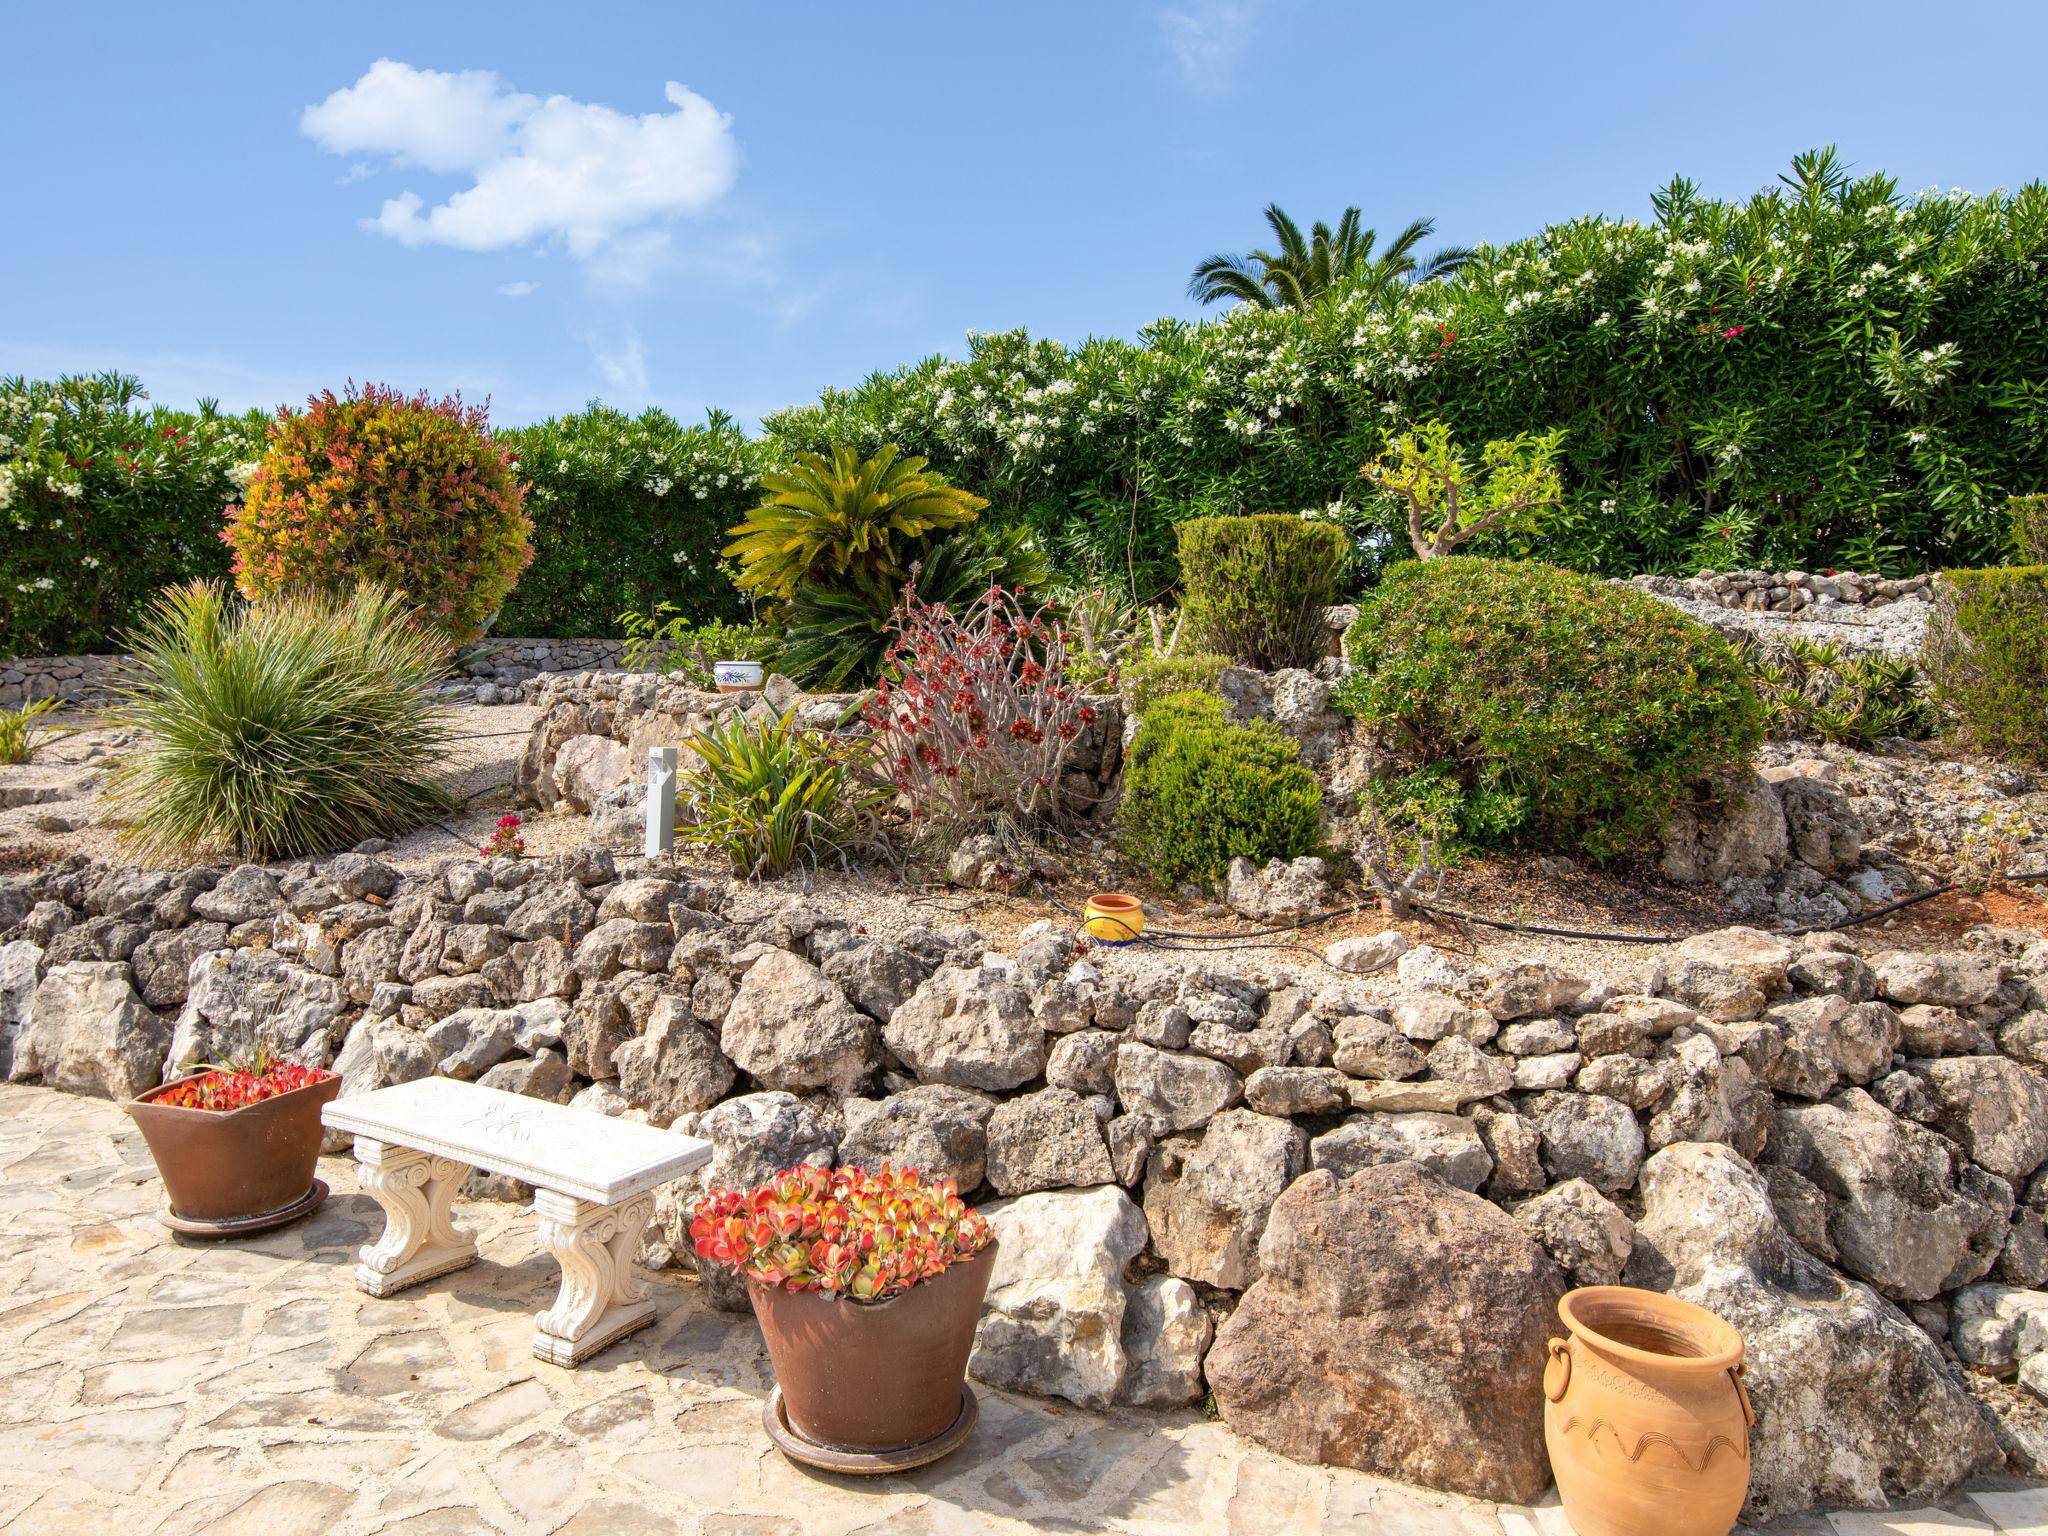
(236, 1086)
(842, 1231)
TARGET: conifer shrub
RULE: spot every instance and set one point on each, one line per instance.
(399, 491)
(1254, 588)
(1987, 654)
(1592, 705)
(1151, 678)
(1201, 790)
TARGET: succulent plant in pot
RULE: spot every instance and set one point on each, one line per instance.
(867, 1287)
(236, 1144)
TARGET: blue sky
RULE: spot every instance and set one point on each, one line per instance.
(517, 202)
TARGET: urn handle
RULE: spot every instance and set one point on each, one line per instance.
(1557, 1372)
(1735, 1374)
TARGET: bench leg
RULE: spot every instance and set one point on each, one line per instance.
(601, 1299)
(420, 1238)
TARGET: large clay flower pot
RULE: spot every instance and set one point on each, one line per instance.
(873, 1380)
(1646, 1418)
(236, 1170)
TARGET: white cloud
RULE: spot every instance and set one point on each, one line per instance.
(518, 290)
(540, 170)
(1207, 37)
(623, 370)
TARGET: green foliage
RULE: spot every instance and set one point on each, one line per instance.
(1813, 690)
(399, 491)
(2029, 516)
(1432, 804)
(1448, 501)
(769, 795)
(1987, 654)
(300, 725)
(103, 502)
(1152, 678)
(1254, 588)
(845, 521)
(1592, 705)
(837, 633)
(1305, 272)
(629, 512)
(23, 733)
(1826, 374)
(664, 640)
(1200, 790)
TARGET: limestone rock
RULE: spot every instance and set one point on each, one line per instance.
(1588, 1137)
(971, 1028)
(1051, 1139)
(1742, 835)
(1759, 958)
(1711, 1098)
(1172, 1092)
(1084, 1062)
(939, 1130)
(587, 768)
(1951, 981)
(1431, 1016)
(1524, 991)
(1053, 1321)
(1998, 1326)
(1368, 952)
(1166, 1332)
(1297, 1091)
(242, 895)
(1398, 1329)
(1996, 1108)
(1280, 892)
(1586, 1234)
(543, 1075)
(1855, 1406)
(878, 976)
(674, 1067)
(163, 961)
(1448, 1146)
(792, 1029)
(1714, 990)
(21, 967)
(239, 999)
(1368, 1047)
(1206, 1201)
(86, 1031)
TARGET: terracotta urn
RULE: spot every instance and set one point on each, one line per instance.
(875, 1379)
(1114, 918)
(1646, 1417)
(237, 1170)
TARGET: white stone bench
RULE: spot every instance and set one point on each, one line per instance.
(594, 1179)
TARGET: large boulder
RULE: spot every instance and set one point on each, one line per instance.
(1996, 1108)
(1399, 1327)
(88, 1031)
(1449, 1146)
(1206, 1201)
(1051, 1139)
(794, 1030)
(1904, 1209)
(587, 768)
(1170, 1091)
(1855, 1405)
(21, 967)
(970, 1026)
(675, 1066)
(935, 1128)
(239, 999)
(1743, 834)
(1053, 1321)
(1588, 1136)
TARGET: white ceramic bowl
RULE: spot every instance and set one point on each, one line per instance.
(737, 676)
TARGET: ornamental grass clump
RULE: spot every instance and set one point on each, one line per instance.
(974, 721)
(402, 491)
(302, 725)
(843, 1232)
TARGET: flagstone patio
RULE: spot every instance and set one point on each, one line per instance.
(155, 1385)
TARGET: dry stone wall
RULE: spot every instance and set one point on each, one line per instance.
(1292, 1195)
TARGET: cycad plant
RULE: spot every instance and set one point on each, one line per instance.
(844, 521)
(302, 724)
(769, 794)
(1306, 270)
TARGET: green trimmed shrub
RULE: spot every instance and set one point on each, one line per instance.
(2029, 516)
(1987, 653)
(1596, 705)
(1254, 588)
(299, 725)
(1151, 678)
(400, 491)
(1200, 790)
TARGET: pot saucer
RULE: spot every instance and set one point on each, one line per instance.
(243, 1226)
(867, 1463)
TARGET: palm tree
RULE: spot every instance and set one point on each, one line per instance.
(1303, 272)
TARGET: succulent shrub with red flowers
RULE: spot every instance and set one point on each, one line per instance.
(843, 1231)
(402, 491)
(506, 843)
(974, 720)
(231, 1087)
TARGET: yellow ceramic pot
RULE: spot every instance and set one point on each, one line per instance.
(1646, 1418)
(1114, 918)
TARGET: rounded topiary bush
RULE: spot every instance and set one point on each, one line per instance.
(401, 491)
(1200, 790)
(1593, 706)
(1254, 588)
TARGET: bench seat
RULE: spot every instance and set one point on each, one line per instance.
(593, 1177)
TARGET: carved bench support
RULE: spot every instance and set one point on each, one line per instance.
(602, 1298)
(420, 1237)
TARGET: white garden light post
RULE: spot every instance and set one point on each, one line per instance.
(661, 799)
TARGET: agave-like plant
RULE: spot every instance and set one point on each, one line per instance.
(302, 724)
(769, 794)
(844, 521)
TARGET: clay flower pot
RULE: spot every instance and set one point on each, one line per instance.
(1114, 918)
(239, 1170)
(1646, 1418)
(877, 1386)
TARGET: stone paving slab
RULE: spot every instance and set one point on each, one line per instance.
(156, 1386)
